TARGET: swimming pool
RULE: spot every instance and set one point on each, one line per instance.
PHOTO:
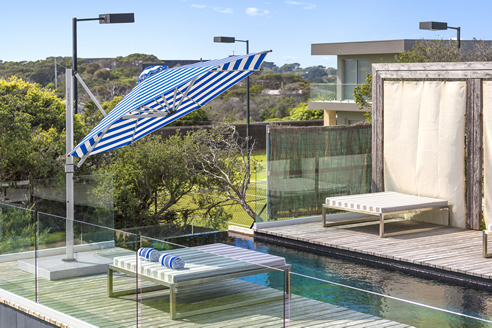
(451, 297)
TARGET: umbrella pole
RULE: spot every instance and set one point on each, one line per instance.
(69, 167)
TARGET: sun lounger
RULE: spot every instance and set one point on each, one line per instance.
(204, 264)
(376, 206)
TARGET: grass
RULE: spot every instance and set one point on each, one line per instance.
(258, 171)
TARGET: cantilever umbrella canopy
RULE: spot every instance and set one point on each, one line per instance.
(164, 97)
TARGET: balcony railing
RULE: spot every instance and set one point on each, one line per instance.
(332, 91)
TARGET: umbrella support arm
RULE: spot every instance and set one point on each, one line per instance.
(90, 94)
(184, 95)
(168, 108)
(89, 151)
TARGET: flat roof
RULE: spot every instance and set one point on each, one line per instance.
(372, 47)
(362, 47)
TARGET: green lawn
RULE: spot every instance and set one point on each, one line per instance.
(258, 171)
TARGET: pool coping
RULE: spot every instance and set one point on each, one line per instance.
(422, 271)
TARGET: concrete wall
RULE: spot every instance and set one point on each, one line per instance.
(13, 318)
(345, 118)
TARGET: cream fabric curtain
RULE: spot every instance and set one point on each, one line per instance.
(487, 154)
(424, 142)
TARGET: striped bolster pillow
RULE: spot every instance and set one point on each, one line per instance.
(148, 254)
(171, 261)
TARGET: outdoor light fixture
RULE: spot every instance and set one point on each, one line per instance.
(228, 39)
(439, 26)
(103, 19)
(71, 98)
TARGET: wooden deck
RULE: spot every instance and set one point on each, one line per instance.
(451, 249)
(86, 299)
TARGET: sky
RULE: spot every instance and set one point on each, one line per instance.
(184, 29)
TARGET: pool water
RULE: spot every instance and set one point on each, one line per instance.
(434, 293)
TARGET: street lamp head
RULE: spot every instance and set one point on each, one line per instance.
(433, 26)
(116, 18)
(224, 39)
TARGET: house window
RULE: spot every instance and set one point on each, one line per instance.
(354, 73)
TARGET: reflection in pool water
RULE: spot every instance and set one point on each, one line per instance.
(438, 294)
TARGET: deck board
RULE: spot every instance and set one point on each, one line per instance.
(449, 248)
(86, 298)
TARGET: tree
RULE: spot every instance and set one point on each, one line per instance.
(220, 157)
(91, 116)
(102, 74)
(240, 92)
(136, 60)
(197, 117)
(331, 71)
(92, 68)
(363, 95)
(275, 81)
(289, 68)
(32, 131)
(302, 112)
(315, 73)
(150, 172)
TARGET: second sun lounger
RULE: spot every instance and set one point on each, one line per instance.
(376, 206)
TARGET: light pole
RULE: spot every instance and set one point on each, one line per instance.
(103, 19)
(226, 39)
(439, 26)
(71, 101)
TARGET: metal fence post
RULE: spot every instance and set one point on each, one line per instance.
(267, 172)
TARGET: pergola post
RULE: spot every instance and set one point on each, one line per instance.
(474, 151)
(377, 132)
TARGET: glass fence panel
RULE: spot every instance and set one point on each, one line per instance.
(323, 92)
(17, 251)
(86, 285)
(195, 225)
(332, 91)
(334, 304)
(15, 192)
(260, 190)
(218, 284)
(93, 198)
(308, 165)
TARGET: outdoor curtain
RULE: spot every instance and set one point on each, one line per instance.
(424, 142)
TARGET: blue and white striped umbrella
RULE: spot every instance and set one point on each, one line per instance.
(164, 97)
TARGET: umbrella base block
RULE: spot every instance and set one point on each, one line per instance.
(54, 268)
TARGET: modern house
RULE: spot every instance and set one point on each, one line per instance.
(354, 60)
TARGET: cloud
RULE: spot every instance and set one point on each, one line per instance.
(224, 10)
(304, 5)
(198, 6)
(289, 58)
(256, 12)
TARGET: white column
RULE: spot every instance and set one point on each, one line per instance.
(69, 167)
